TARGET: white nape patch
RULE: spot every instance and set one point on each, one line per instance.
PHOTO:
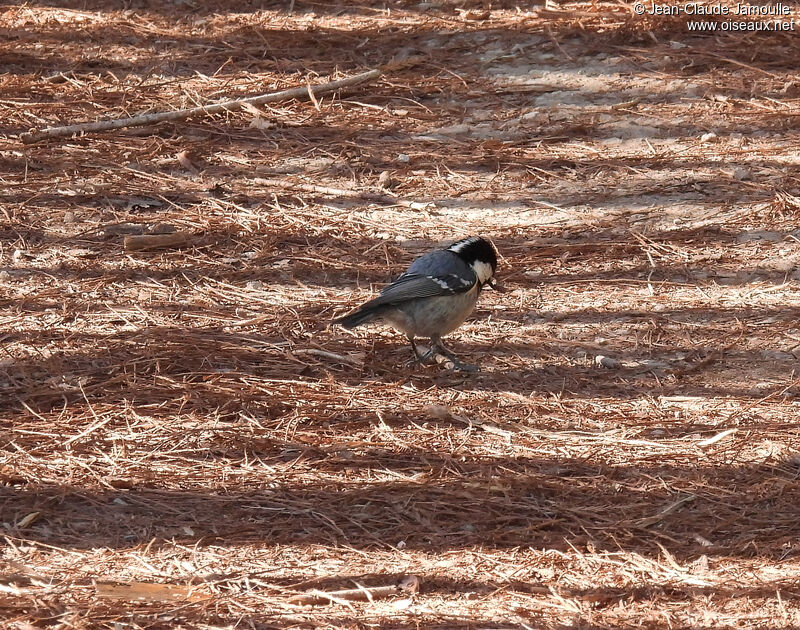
(483, 270)
(461, 245)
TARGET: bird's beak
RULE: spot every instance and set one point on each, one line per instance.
(493, 284)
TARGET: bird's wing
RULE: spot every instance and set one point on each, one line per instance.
(411, 286)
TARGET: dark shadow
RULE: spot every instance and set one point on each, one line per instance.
(125, 366)
(744, 511)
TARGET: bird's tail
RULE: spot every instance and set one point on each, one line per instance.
(360, 316)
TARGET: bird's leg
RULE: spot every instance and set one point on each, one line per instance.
(436, 344)
(418, 358)
(439, 345)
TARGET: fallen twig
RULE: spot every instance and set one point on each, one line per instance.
(409, 586)
(139, 242)
(652, 520)
(341, 192)
(356, 359)
(149, 592)
(304, 92)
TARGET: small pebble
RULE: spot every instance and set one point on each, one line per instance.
(606, 362)
(741, 173)
(437, 412)
(404, 158)
(385, 180)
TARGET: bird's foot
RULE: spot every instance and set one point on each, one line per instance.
(422, 358)
(452, 359)
(458, 366)
(438, 354)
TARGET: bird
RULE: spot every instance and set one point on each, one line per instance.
(433, 297)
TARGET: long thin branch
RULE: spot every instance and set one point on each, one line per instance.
(300, 93)
(341, 192)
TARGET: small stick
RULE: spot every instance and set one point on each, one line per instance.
(652, 520)
(409, 585)
(719, 436)
(138, 242)
(742, 65)
(331, 355)
(299, 93)
(341, 192)
(97, 425)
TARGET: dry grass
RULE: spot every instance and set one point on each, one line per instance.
(186, 419)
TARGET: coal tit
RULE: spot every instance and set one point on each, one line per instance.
(434, 297)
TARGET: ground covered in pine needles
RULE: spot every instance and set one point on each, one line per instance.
(186, 443)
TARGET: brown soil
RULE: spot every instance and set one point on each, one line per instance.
(186, 444)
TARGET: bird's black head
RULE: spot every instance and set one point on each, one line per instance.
(478, 253)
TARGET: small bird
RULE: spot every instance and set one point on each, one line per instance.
(434, 297)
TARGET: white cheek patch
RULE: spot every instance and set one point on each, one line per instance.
(483, 271)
